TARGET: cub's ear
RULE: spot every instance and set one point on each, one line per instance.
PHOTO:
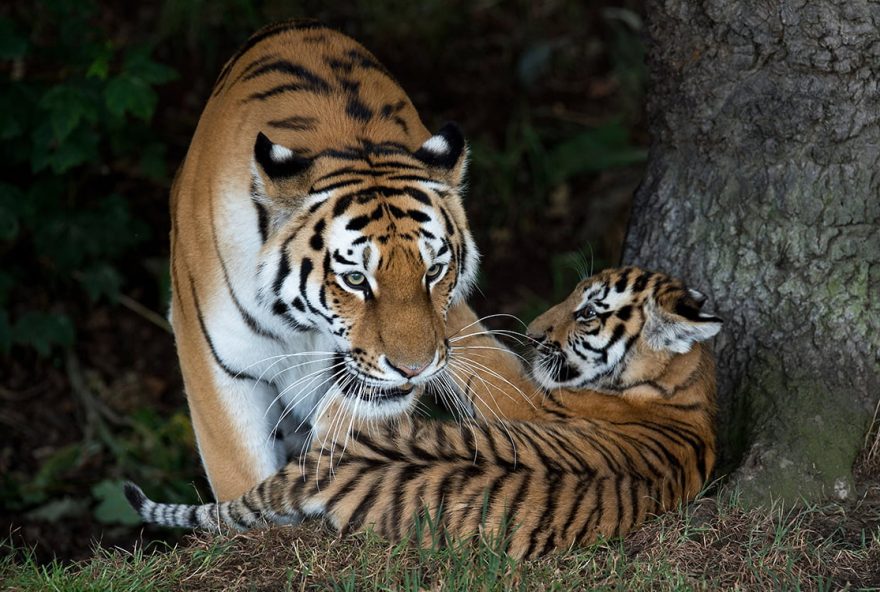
(284, 174)
(677, 330)
(446, 154)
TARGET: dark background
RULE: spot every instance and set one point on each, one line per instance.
(97, 107)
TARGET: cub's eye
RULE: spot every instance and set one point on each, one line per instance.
(586, 313)
(355, 280)
(434, 272)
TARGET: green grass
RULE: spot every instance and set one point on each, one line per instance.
(711, 544)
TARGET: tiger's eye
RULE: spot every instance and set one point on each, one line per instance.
(434, 271)
(587, 313)
(355, 280)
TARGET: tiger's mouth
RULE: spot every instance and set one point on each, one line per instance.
(552, 368)
(377, 394)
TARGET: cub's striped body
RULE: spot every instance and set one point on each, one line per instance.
(318, 241)
(621, 429)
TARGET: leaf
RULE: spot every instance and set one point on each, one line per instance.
(11, 198)
(139, 64)
(127, 94)
(100, 281)
(6, 284)
(78, 148)
(68, 105)
(5, 333)
(594, 151)
(50, 473)
(535, 62)
(112, 507)
(16, 106)
(43, 331)
(56, 509)
(100, 66)
(153, 164)
(13, 44)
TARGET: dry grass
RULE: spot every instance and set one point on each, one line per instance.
(712, 544)
(867, 465)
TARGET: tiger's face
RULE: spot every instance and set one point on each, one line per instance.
(371, 250)
(615, 328)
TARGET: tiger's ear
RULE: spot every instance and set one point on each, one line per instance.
(677, 327)
(446, 154)
(284, 174)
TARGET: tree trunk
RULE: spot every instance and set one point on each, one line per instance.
(763, 188)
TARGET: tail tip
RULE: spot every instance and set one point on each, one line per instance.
(135, 496)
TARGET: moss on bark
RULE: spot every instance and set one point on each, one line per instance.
(763, 189)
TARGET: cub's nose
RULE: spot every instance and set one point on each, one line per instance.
(408, 370)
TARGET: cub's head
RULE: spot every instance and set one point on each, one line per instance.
(618, 327)
(368, 245)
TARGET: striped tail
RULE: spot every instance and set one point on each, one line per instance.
(205, 516)
(238, 514)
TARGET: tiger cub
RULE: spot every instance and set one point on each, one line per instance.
(318, 241)
(621, 429)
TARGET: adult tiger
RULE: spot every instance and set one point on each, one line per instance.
(317, 225)
(623, 429)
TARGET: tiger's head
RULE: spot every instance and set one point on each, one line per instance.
(369, 246)
(617, 328)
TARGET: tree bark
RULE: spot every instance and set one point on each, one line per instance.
(763, 188)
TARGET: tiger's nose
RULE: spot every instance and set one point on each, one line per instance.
(408, 370)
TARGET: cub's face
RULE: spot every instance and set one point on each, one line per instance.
(374, 253)
(612, 323)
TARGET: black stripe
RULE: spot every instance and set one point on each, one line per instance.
(223, 366)
(418, 216)
(306, 267)
(357, 223)
(419, 196)
(254, 65)
(357, 109)
(341, 205)
(295, 122)
(634, 500)
(248, 318)
(261, 35)
(597, 511)
(549, 513)
(336, 185)
(339, 258)
(317, 239)
(401, 122)
(262, 220)
(360, 512)
(579, 492)
(278, 90)
(283, 266)
(286, 67)
(618, 503)
(416, 178)
(642, 281)
(623, 280)
(345, 489)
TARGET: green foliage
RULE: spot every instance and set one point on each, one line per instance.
(593, 151)
(74, 112)
(113, 508)
(146, 447)
(112, 570)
